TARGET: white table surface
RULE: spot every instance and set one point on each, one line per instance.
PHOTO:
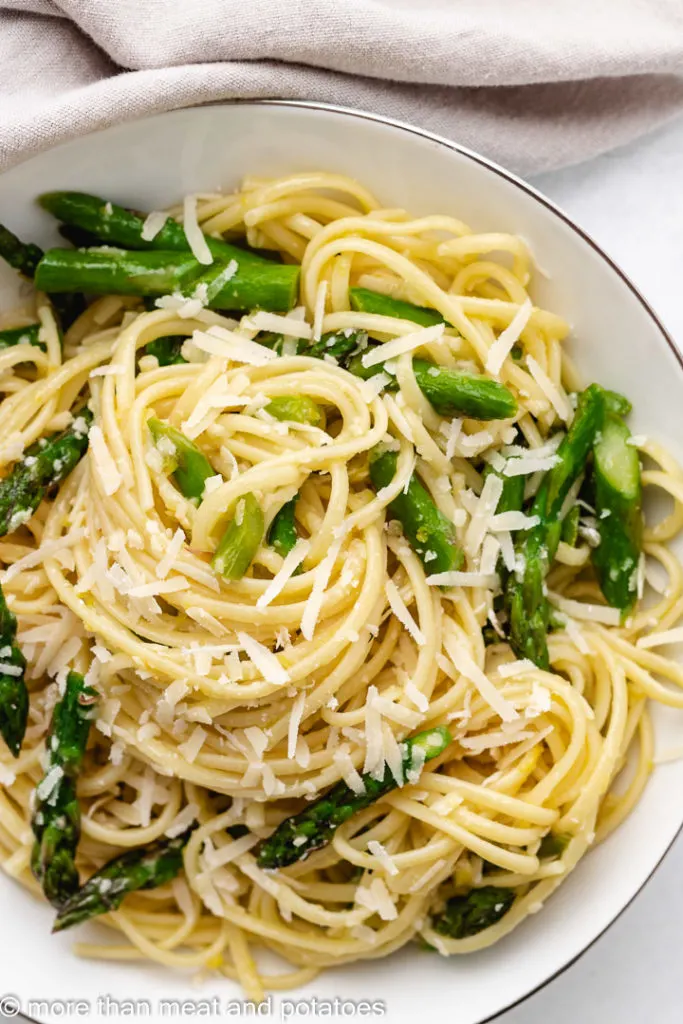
(631, 201)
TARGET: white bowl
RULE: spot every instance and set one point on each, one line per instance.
(617, 340)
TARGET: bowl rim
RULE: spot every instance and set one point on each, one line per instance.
(548, 204)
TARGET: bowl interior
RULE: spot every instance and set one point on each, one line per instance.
(149, 164)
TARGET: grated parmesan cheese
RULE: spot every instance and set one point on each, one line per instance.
(485, 509)
(507, 339)
(290, 564)
(217, 341)
(398, 607)
(193, 233)
(264, 660)
(289, 326)
(193, 744)
(557, 399)
(153, 224)
(377, 899)
(321, 578)
(378, 851)
(586, 612)
(487, 691)
(399, 346)
(349, 773)
(294, 723)
(506, 521)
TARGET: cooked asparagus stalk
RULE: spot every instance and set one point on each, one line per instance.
(451, 392)
(167, 350)
(253, 284)
(282, 534)
(144, 868)
(299, 835)
(21, 336)
(479, 909)
(113, 224)
(25, 257)
(430, 533)
(56, 816)
(241, 540)
(570, 526)
(183, 460)
(528, 607)
(616, 472)
(363, 300)
(43, 465)
(13, 692)
(615, 403)
(296, 409)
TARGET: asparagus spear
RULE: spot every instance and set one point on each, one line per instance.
(430, 533)
(108, 222)
(25, 257)
(451, 392)
(282, 534)
(21, 336)
(45, 463)
(56, 816)
(189, 467)
(615, 403)
(167, 349)
(570, 526)
(317, 823)
(241, 540)
(528, 607)
(363, 300)
(479, 909)
(296, 409)
(616, 471)
(125, 272)
(145, 868)
(13, 692)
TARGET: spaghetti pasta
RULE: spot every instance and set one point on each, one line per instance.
(237, 702)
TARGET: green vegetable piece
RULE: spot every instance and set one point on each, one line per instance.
(528, 607)
(430, 533)
(56, 816)
(553, 845)
(468, 915)
(22, 256)
(363, 300)
(283, 534)
(146, 868)
(189, 466)
(43, 465)
(338, 344)
(618, 504)
(167, 349)
(241, 540)
(125, 272)
(451, 392)
(21, 336)
(108, 222)
(317, 823)
(296, 409)
(570, 526)
(615, 403)
(13, 692)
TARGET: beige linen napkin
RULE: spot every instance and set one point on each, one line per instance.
(535, 84)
